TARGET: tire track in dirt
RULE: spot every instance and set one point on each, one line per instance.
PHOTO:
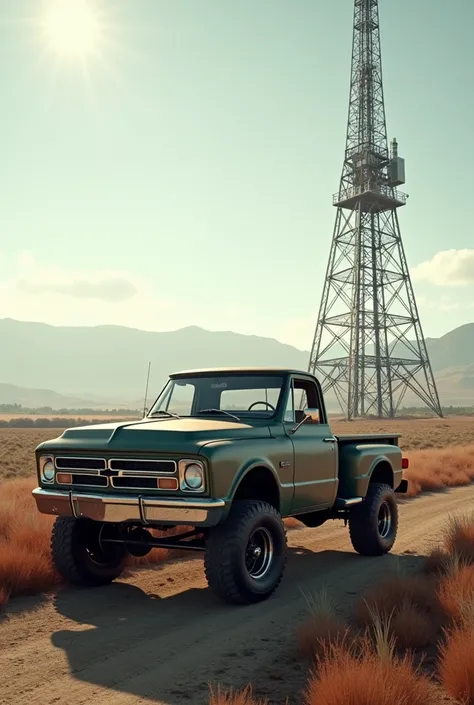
(161, 636)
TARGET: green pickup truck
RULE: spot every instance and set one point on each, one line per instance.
(221, 458)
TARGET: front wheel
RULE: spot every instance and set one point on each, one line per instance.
(79, 555)
(246, 555)
(373, 524)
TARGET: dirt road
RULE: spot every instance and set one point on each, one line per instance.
(161, 636)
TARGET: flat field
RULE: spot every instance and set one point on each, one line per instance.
(17, 444)
(416, 433)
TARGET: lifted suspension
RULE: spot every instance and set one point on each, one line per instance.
(139, 541)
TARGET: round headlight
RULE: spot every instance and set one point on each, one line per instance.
(193, 477)
(48, 471)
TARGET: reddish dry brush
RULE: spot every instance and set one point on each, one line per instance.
(359, 675)
(322, 627)
(437, 562)
(316, 633)
(434, 470)
(412, 628)
(456, 548)
(25, 559)
(456, 665)
(459, 537)
(456, 594)
(388, 596)
(411, 605)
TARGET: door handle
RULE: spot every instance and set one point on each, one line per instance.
(329, 440)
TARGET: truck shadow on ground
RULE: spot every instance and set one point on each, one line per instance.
(169, 649)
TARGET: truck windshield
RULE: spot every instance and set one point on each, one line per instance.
(233, 395)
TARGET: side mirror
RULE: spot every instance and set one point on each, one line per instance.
(310, 416)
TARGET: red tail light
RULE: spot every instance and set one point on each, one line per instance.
(405, 463)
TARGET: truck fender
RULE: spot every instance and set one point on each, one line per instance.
(381, 460)
(247, 468)
(378, 461)
(361, 464)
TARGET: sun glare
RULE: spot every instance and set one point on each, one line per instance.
(72, 27)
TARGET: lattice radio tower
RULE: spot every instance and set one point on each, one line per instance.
(368, 347)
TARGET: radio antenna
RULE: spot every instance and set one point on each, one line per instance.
(146, 390)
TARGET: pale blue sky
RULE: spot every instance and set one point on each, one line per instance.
(198, 161)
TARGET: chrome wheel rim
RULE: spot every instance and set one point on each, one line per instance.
(259, 553)
(384, 520)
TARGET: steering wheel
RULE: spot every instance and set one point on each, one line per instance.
(261, 402)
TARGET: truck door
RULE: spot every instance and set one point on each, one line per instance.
(315, 449)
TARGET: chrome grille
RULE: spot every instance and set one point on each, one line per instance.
(64, 463)
(118, 473)
(89, 481)
(135, 483)
(144, 467)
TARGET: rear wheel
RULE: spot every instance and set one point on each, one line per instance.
(246, 556)
(373, 524)
(79, 555)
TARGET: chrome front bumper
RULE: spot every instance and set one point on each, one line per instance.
(128, 508)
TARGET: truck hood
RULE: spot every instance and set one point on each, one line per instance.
(184, 435)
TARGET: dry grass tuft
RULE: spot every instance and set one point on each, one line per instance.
(457, 548)
(347, 675)
(315, 634)
(456, 594)
(409, 603)
(456, 665)
(393, 592)
(459, 537)
(436, 562)
(324, 625)
(320, 604)
(384, 640)
(25, 562)
(229, 696)
(412, 628)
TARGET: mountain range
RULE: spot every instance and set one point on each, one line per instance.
(28, 398)
(107, 365)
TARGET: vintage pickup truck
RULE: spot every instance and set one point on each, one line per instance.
(221, 458)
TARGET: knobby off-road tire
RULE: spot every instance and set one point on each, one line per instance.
(78, 555)
(246, 556)
(373, 524)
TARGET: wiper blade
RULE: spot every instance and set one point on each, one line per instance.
(218, 411)
(165, 413)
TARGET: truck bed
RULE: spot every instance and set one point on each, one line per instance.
(390, 439)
